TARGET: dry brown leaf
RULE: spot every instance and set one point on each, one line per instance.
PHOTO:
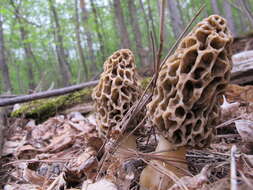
(10, 147)
(239, 93)
(195, 182)
(27, 152)
(31, 177)
(86, 164)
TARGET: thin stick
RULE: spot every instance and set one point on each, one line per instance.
(159, 52)
(233, 177)
(153, 49)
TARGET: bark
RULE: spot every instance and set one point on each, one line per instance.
(47, 94)
(175, 17)
(78, 39)
(150, 16)
(229, 17)
(215, 7)
(145, 18)
(123, 34)
(3, 63)
(26, 45)
(61, 55)
(148, 30)
(137, 33)
(99, 34)
(89, 36)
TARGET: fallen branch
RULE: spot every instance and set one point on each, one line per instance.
(46, 94)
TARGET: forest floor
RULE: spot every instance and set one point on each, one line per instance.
(65, 150)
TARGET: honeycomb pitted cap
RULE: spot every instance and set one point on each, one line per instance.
(117, 90)
(185, 105)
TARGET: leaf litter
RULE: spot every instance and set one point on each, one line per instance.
(65, 152)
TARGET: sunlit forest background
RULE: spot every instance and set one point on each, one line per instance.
(48, 44)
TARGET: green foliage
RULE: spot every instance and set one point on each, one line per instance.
(38, 23)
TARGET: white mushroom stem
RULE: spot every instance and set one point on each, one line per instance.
(153, 179)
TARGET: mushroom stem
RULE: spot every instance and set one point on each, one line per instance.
(153, 179)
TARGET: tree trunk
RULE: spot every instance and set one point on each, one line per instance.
(150, 15)
(215, 7)
(124, 36)
(99, 34)
(79, 46)
(3, 64)
(89, 37)
(175, 17)
(137, 33)
(61, 56)
(229, 16)
(26, 45)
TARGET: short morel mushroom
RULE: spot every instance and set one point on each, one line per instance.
(115, 93)
(185, 106)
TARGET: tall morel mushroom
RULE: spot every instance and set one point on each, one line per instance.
(185, 105)
(116, 92)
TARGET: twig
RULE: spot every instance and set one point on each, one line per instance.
(227, 122)
(46, 94)
(233, 177)
(153, 48)
(159, 52)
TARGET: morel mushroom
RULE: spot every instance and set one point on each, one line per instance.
(116, 92)
(185, 106)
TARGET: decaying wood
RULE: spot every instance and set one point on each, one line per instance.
(47, 94)
(242, 72)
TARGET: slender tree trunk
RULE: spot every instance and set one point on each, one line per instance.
(27, 46)
(3, 63)
(150, 16)
(229, 17)
(137, 33)
(61, 55)
(175, 17)
(89, 36)
(145, 18)
(79, 46)
(124, 36)
(99, 34)
(215, 7)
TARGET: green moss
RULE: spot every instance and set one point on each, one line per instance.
(145, 82)
(45, 108)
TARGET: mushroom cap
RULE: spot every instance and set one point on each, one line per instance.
(185, 107)
(117, 90)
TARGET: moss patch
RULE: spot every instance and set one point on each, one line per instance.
(45, 108)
